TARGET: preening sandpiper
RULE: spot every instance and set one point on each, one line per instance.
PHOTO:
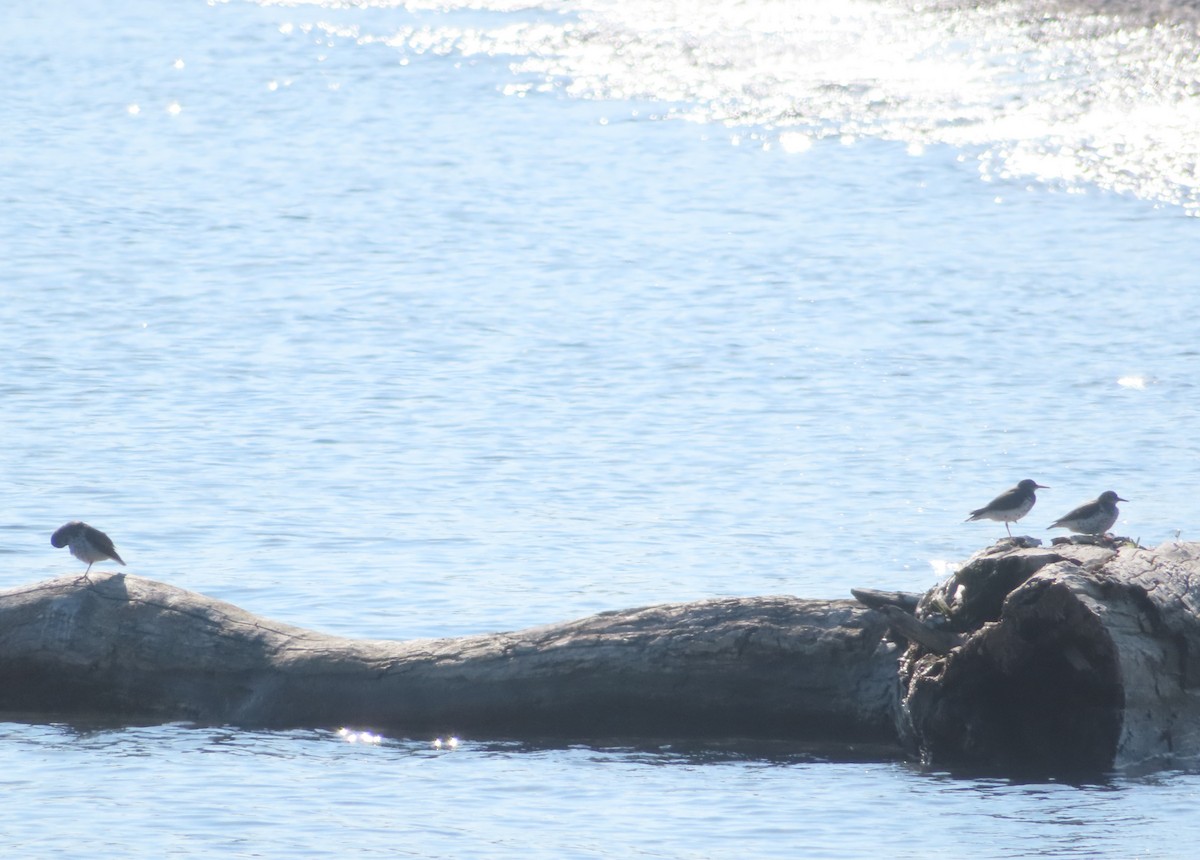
(1009, 506)
(86, 544)
(1092, 518)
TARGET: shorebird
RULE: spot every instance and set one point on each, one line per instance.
(1092, 518)
(1009, 506)
(86, 544)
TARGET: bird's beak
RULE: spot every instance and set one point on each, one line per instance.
(1119, 499)
(1041, 486)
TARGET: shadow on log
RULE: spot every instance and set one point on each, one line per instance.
(129, 649)
(1070, 659)
(1061, 660)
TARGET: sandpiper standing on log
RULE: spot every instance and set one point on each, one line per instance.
(1092, 518)
(1009, 506)
(86, 544)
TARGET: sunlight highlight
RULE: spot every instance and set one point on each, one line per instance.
(942, 568)
(795, 141)
(1069, 107)
(352, 737)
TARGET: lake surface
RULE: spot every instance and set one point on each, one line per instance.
(432, 319)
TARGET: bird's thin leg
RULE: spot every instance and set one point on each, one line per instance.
(1006, 528)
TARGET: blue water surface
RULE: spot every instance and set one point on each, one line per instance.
(360, 337)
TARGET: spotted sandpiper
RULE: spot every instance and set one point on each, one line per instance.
(86, 544)
(1092, 518)
(1009, 506)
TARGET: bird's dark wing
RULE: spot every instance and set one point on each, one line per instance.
(104, 543)
(1005, 501)
(1084, 511)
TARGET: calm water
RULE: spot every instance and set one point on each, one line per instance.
(429, 320)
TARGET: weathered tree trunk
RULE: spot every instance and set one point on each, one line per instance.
(1078, 656)
(1072, 657)
(120, 647)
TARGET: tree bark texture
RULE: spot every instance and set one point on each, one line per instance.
(1079, 656)
(123, 648)
(1073, 657)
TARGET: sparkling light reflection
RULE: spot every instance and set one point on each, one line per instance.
(353, 737)
(943, 568)
(1075, 100)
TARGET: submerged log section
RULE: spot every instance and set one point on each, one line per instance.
(1061, 658)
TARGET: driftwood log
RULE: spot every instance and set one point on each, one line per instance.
(1081, 656)
(1060, 659)
(126, 648)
